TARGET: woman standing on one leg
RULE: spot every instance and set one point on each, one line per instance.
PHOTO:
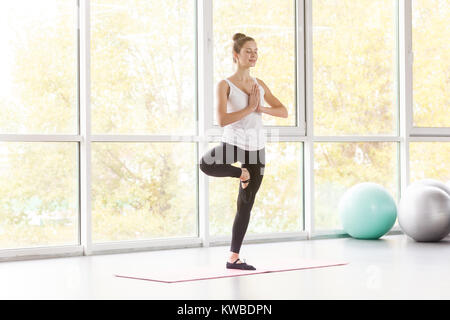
(240, 106)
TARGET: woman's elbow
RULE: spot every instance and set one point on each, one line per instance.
(281, 111)
(221, 122)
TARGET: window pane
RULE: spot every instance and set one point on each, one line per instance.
(339, 166)
(431, 68)
(278, 205)
(143, 190)
(143, 66)
(38, 63)
(429, 160)
(273, 28)
(38, 194)
(354, 67)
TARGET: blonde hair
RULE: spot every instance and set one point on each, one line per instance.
(239, 40)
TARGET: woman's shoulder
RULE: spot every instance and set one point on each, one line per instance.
(224, 86)
(224, 82)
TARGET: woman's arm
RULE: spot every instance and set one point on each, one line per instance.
(225, 118)
(277, 109)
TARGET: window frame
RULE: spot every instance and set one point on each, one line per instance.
(206, 132)
(407, 7)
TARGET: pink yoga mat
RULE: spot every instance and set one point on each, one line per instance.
(186, 273)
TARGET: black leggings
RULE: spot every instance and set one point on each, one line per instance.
(217, 163)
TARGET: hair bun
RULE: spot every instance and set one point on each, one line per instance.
(238, 36)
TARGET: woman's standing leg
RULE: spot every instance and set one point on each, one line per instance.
(245, 201)
(217, 162)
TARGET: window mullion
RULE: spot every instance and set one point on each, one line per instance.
(85, 128)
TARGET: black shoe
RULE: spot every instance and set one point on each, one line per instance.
(240, 266)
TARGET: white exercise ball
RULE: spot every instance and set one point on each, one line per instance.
(424, 212)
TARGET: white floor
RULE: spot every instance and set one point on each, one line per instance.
(393, 267)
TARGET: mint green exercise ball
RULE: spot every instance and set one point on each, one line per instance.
(367, 211)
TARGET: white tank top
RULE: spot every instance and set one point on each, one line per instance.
(247, 133)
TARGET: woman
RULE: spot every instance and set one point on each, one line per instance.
(239, 110)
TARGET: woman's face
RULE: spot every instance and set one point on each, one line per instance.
(248, 55)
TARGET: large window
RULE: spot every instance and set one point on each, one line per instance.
(431, 68)
(38, 95)
(355, 84)
(143, 82)
(339, 166)
(143, 190)
(38, 63)
(272, 25)
(354, 67)
(143, 67)
(38, 194)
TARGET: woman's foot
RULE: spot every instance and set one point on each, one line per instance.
(238, 264)
(235, 263)
(245, 178)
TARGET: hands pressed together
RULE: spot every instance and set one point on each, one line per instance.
(254, 100)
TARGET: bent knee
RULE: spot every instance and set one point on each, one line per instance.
(204, 166)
